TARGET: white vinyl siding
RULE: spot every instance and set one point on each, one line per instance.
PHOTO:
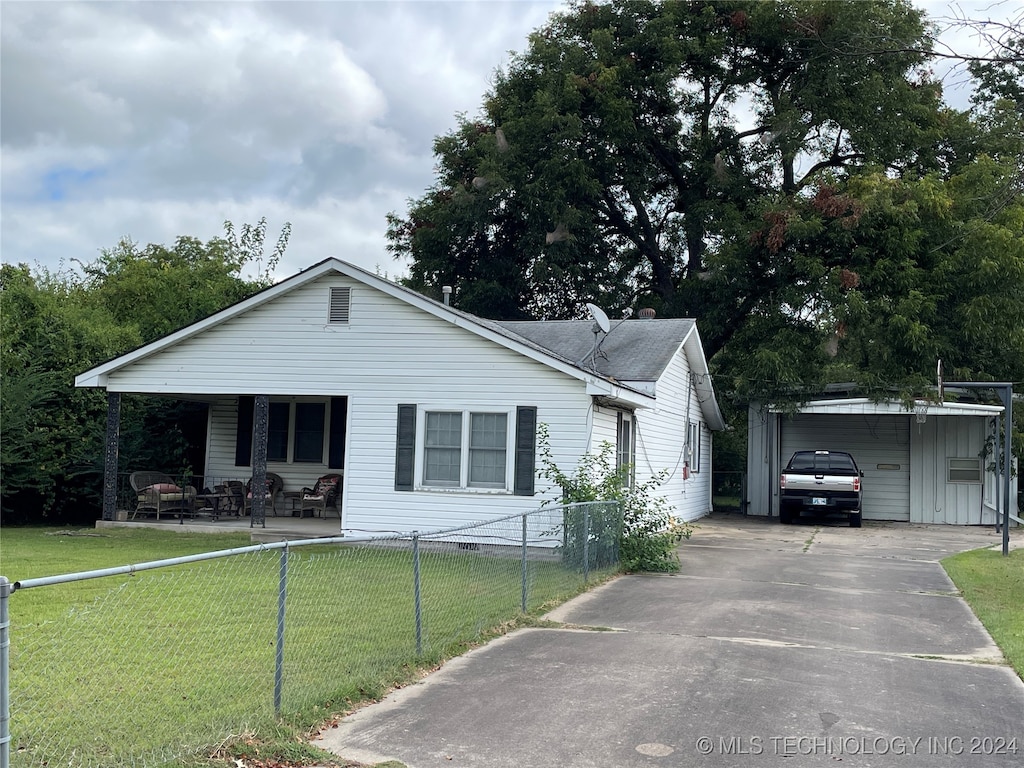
(389, 353)
(661, 438)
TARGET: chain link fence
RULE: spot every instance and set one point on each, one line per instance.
(147, 664)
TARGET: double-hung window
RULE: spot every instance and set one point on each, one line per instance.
(466, 449)
(442, 448)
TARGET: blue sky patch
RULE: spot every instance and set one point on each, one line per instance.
(63, 182)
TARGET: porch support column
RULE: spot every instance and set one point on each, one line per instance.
(110, 455)
(260, 424)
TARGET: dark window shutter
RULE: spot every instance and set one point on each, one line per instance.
(526, 450)
(405, 454)
(339, 422)
(243, 432)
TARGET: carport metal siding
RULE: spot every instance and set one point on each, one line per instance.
(878, 443)
(938, 501)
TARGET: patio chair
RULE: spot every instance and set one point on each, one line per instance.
(236, 497)
(157, 492)
(275, 485)
(322, 495)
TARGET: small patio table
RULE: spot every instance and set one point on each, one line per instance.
(213, 501)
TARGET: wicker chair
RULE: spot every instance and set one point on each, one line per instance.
(275, 485)
(322, 495)
(157, 493)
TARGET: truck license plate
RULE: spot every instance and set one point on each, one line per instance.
(819, 501)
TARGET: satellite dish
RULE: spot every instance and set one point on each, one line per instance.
(599, 317)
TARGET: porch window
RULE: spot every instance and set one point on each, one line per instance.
(308, 444)
(963, 470)
(277, 432)
(296, 432)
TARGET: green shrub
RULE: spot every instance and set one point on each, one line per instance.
(649, 533)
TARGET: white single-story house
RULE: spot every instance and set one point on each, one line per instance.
(928, 465)
(429, 414)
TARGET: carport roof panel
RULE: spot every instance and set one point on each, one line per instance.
(862, 406)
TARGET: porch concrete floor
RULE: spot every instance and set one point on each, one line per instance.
(276, 529)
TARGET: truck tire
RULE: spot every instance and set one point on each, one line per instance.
(785, 514)
(855, 520)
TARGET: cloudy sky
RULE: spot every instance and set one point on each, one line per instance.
(157, 119)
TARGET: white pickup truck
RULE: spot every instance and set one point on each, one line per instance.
(820, 482)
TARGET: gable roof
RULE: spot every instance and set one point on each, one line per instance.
(562, 345)
(634, 351)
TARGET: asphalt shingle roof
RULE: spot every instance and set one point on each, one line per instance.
(633, 350)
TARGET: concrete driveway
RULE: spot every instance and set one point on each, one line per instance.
(801, 645)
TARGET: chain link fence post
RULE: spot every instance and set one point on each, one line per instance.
(586, 543)
(524, 567)
(5, 688)
(282, 599)
(416, 591)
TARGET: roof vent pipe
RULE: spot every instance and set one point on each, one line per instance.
(646, 314)
(446, 292)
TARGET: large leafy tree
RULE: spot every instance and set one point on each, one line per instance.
(785, 172)
(618, 151)
(54, 325)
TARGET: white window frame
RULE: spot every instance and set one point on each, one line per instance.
(966, 464)
(625, 445)
(693, 441)
(463, 485)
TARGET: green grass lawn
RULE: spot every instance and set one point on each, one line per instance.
(147, 667)
(993, 586)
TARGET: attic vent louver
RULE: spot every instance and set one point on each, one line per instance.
(341, 301)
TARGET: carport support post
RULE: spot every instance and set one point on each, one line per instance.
(258, 488)
(1006, 395)
(110, 456)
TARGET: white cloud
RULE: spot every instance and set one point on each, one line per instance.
(153, 120)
